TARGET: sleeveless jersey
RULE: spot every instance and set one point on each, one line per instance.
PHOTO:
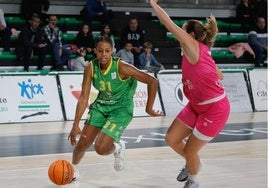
(200, 81)
(112, 89)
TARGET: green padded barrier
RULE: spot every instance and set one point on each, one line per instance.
(223, 54)
(15, 20)
(96, 23)
(73, 21)
(7, 56)
(240, 38)
(68, 37)
(235, 25)
(90, 57)
(223, 38)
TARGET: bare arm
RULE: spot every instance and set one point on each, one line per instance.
(81, 104)
(126, 70)
(189, 44)
(220, 74)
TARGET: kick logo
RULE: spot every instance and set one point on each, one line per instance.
(29, 90)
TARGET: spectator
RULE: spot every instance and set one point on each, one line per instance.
(147, 59)
(51, 35)
(85, 39)
(257, 40)
(259, 9)
(27, 43)
(79, 63)
(95, 10)
(244, 12)
(5, 32)
(134, 34)
(30, 7)
(106, 32)
(126, 54)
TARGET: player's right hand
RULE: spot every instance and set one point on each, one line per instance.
(74, 132)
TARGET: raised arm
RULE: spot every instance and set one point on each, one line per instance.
(187, 42)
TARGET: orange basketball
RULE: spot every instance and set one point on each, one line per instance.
(61, 172)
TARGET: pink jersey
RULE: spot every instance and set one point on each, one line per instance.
(200, 81)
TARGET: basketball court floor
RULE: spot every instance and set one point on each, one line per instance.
(237, 158)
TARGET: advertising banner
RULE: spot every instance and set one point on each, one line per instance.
(71, 88)
(29, 99)
(236, 89)
(172, 92)
(174, 100)
(259, 85)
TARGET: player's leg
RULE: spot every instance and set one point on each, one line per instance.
(191, 150)
(175, 136)
(89, 134)
(85, 141)
(208, 124)
(181, 127)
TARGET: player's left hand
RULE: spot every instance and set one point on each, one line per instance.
(153, 112)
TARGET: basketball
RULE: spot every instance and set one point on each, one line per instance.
(61, 172)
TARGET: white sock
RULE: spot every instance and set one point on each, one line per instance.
(75, 166)
(201, 165)
(117, 147)
(194, 178)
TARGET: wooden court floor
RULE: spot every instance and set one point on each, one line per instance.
(237, 158)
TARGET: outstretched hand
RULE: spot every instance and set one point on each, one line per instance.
(74, 132)
(153, 112)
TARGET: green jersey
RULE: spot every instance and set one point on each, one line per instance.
(112, 89)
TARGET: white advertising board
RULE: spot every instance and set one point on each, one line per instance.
(29, 99)
(71, 88)
(172, 92)
(140, 101)
(259, 85)
(237, 91)
(174, 100)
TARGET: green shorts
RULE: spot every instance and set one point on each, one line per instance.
(112, 119)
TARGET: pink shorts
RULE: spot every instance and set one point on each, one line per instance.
(208, 120)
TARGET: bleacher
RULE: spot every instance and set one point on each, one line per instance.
(166, 47)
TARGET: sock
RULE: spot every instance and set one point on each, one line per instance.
(75, 166)
(117, 147)
(194, 178)
(201, 166)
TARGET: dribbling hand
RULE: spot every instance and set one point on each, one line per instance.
(74, 132)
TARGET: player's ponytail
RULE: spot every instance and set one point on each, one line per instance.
(211, 31)
(204, 33)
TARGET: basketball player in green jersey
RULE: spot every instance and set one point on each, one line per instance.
(112, 110)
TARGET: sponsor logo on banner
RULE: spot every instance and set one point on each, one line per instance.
(3, 103)
(30, 103)
(259, 86)
(29, 99)
(179, 94)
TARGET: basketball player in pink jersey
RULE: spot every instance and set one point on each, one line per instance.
(208, 109)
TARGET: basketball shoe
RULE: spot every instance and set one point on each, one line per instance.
(183, 175)
(191, 184)
(120, 157)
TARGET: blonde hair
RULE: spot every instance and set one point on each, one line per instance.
(147, 45)
(204, 33)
